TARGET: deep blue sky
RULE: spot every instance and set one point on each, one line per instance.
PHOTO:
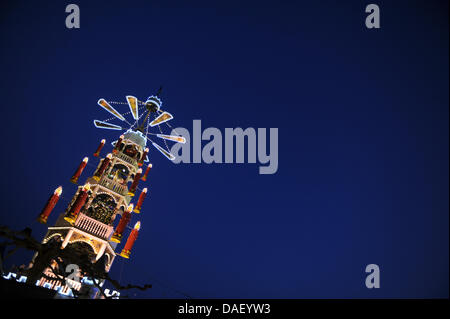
(363, 118)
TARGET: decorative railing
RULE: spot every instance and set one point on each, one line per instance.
(93, 226)
(114, 186)
(126, 158)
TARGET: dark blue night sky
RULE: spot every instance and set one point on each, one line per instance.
(363, 119)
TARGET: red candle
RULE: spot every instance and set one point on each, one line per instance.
(50, 205)
(103, 167)
(133, 187)
(78, 204)
(126, 251)
(141, 161)
(119, 141)
(144, 178)
(117, 236)
(79, 170)
(99, 148)
(137, 209)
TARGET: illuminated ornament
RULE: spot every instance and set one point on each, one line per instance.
(163, 117)
(144, 155)
(144, 178)
(109, 126)
(124, 220)
(132, 103)
(126, 251)
(135, 183)
(76, 175)
(78, 204)
(138, 207)
(102, 167)
(117, 146)
(50, 205)
(179, 139)
(164, 152)
(99, 148)
(110, 109)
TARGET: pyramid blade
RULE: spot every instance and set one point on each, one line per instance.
(132, 102)
(110, 109)
(100, 124)
(165, 153)
(179, 139)
(163, 117)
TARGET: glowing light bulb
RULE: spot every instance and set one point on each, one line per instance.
(58, 191)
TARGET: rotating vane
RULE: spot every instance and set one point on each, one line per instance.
(146, 116)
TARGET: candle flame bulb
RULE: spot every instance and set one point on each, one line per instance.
(133, 187)
(126, 251)
(119, 141)
(102, 167)
(124, 220)
(137, 209)
(78, 204)
(141, 161)
(58, 191)
(42, 218)
(77, 174)
(144, 178)
(99, 148)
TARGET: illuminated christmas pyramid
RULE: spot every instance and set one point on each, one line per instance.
(87, 224)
